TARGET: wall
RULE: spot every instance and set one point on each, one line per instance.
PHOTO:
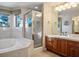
(16, 32)
(19, 33)
(50, 23)
(25, 33)
(6, 32)
(12, 31)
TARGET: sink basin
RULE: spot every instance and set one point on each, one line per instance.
(59, 36)
(53, 35)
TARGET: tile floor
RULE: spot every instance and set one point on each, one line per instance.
(40, 53)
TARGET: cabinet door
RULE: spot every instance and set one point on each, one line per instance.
(62, 47)
(76, 51)
(73, 49)
(54, 43)
(59, 46)
(48, 42)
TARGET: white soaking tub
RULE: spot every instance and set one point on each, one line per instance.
(16, 47)
(6, 43)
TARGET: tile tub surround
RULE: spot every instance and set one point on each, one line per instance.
(72, 37)
(22, 48)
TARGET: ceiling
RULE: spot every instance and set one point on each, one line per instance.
(14, 5)
(54, 4)
(31, 5)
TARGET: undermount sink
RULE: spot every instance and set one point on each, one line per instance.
(60, 36)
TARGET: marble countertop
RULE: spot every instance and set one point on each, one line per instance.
(68, 37)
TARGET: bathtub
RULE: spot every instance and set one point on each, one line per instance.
(16, 47)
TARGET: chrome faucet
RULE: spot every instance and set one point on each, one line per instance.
(65, 33)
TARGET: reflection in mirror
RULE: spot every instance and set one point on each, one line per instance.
(75, 25)
(60, 24)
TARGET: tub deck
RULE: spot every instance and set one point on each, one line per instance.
(21, 46)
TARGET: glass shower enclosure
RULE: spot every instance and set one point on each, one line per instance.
(33, 27)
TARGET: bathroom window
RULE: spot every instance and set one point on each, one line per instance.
(4, 20)
(18, 21)
(28, 21)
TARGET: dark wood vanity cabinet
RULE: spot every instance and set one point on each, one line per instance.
(62, 46)
(56, 45)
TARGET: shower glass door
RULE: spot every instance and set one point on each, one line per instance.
(37, 29)
(28, 26)
(33, 27)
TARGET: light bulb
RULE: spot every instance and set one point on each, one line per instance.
(62, 7)
(57, 8)
(67, 5)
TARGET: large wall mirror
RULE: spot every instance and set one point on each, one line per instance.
(69, 20)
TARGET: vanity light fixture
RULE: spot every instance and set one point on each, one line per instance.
(58, 9)
(65, 6)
